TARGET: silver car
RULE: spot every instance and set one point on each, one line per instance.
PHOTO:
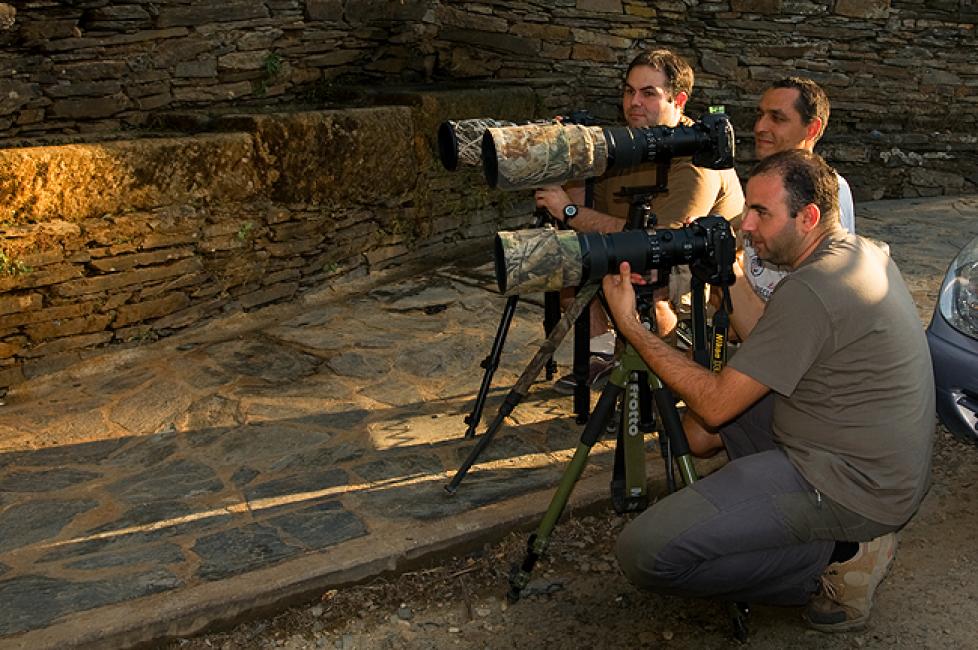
(953, 339)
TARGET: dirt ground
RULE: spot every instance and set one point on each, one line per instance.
(581, 599)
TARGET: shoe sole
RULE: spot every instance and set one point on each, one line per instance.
(847, 626)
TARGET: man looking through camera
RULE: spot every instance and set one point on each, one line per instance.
(791, 114)
(826, 411)
(657, 86)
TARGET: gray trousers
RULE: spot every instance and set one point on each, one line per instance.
(754, 531)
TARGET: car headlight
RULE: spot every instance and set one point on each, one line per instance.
(959, 293)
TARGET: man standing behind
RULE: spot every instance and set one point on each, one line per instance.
(792, 114)
(657, 86)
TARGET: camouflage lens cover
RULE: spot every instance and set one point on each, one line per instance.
(540, 259)
(534, 155)
(460, 141)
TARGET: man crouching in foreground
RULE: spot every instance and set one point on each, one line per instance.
(826, 411)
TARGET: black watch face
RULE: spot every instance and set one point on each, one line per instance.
(570, 211)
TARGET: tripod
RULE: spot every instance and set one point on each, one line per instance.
(551, 317)
(551, 307)
(637, 389)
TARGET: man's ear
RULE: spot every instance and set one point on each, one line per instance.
(809, 217)
(814, 129)
(680, 99)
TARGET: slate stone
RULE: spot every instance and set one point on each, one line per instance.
(200, 373)
(45, 480)
(499, 449)
(325, 457)
(152, 554)
(155, 512)
(313, 480)
(269, 360)
(204, 437)
(341, 418)
(121, 382)
(398, 466)
(448, 359)
(33, 601)
(319, 526)
(394, 392)
(324, 338)
(244, 476)
(210, 412)
(426, 297)
(145, 411)
(399, 324)
(262, 446)
(378, 341)
(35, 521)
(428, 501)
(177, 479)
(238, 550)
(145, 451)
(80, 454)
(359, 365)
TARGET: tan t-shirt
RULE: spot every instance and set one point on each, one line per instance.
(692, 192)
(842, 346)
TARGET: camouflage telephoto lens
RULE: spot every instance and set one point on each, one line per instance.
(538, 259)
(534, 155)
(460, 141)
(545, 259)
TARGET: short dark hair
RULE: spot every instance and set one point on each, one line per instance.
(807, 178)
(812, 101)
(678, 73)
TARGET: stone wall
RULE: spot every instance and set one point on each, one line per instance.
(900, 72)
(166, 160)
(130, 240)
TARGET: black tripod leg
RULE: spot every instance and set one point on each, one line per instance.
(582, 365)
(512, 399)
(739, 616)
(491, 363)
(522, 386)
(540, 540)
(701, 352)
(673, 428)
(551, 316)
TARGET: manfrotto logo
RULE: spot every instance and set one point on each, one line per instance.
(633, 413)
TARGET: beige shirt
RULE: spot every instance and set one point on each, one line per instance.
(842, 346)
(692, 192)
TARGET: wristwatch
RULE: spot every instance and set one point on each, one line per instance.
(570, 211)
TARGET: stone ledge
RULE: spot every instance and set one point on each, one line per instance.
(80, 181)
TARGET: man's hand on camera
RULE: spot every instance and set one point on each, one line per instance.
(553, 198)
(620, 296)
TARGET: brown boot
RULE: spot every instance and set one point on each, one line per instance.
(846, 596)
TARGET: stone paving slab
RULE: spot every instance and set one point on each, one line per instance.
(269, 456)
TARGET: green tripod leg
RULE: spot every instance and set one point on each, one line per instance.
(538, 542)
(632, 493)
